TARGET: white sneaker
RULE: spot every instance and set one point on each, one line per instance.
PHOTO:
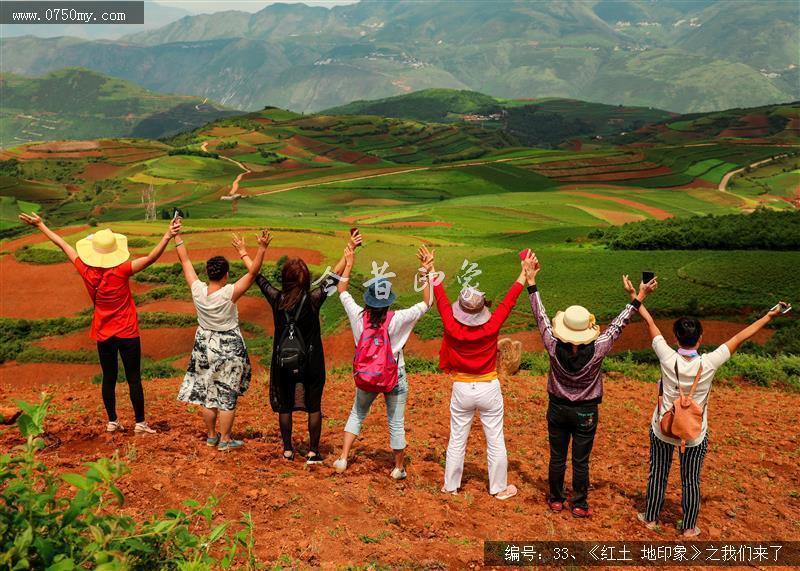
(142, 428)
(340, 465)
(399, 474)
(114, 426)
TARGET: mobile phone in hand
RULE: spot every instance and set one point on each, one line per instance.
(523, 254)
(647, 277)
(176, 213)
(783, 307)
(352, 232)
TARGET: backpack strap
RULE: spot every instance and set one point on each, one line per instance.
(696, 380)
(694, 384)
(292, 319)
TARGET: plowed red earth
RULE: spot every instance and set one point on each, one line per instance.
(750, 478)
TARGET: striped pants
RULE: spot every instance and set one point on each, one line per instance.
(660, 463)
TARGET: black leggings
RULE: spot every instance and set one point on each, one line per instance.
(314, 430)
(131, 352)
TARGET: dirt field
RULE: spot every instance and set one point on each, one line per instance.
(750, 480)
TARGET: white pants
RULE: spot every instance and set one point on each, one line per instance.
(487, 399)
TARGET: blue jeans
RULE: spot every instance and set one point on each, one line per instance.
(395, 411)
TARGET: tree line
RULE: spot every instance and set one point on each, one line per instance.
(761, 230)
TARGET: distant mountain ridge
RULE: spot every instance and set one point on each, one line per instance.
(77, 103)
(683, 56)
(687, 56)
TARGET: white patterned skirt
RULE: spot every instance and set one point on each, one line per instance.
(219, 370)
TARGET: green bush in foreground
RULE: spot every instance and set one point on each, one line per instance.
(70, 521)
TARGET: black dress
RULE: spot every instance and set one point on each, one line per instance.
(288, 395)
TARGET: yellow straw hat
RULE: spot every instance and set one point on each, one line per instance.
(103, 249)
(575, 325)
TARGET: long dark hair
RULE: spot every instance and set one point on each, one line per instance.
(376, 315)
(296, 281)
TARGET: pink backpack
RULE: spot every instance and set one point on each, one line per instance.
(374, 365)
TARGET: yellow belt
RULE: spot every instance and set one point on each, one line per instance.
(468, 378)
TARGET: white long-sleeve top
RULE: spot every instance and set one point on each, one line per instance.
(400, 327)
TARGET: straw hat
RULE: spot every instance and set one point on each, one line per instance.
(575, 325)
(470, 309)
(103, 249)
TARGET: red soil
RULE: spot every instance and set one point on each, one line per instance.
(318, 518)
(99, 171)
(156, 343)
(39, 291)
(652, 211)
(18, 377)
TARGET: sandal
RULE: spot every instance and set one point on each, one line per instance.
(555, 506)
(114, 426)
(509, 492)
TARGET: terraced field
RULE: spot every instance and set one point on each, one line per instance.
(401, 181)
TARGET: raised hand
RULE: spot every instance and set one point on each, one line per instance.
(626, 283)
(32, 219)
(355, 240)
(263, 239)
(238, 243)
(776, 309)
(531, 267)
(349, 255)
(174, 228)
(426, 257)
(646, 289)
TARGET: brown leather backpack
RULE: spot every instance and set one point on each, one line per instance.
(684, 421)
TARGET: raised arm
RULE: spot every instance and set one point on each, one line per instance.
(427, 259)
(139, 264)
(735, 342)
(606, 341)
(509, 301)
(344, 280)
(531, 267)
(651, 324)
(186, 263)
(34, 220)
(253, 268)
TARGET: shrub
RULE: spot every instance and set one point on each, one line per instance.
(39, 256)
(71, 521)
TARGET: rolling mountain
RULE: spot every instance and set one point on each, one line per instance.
(686, 56)
(77, 103)
(549, 121)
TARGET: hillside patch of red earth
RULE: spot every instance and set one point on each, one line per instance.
(99, 171)
(318, 518)
(290, 164)
(651, 210)
(156, 343)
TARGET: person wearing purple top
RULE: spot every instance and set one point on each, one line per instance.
(574, 385)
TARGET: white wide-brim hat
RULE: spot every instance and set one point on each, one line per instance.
(470, 308)
(103, 249)
(575, 325)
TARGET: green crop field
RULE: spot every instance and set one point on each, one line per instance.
(473, 194)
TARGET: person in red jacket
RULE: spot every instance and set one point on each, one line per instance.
(469, 356)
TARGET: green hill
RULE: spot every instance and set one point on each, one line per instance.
(76, 103)
(683, 56)
(548, 121)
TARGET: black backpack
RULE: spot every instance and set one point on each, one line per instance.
(292, 350)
